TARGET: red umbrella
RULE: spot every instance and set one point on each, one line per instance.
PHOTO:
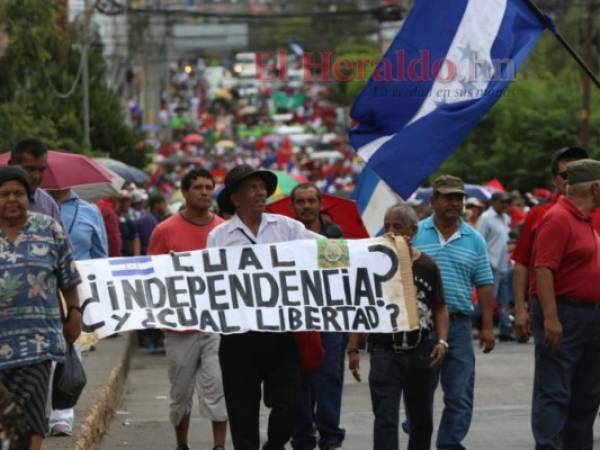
(495, 184)
(66, 170)
(193, 139)
(341, 211)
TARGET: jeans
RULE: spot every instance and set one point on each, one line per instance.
(457, 376)
(322, 399)
(391, 374)
(566, 387)
(251, 361)
(504, 296)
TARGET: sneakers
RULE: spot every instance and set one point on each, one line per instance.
(61, 429)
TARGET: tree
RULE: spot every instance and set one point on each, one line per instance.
(364, 57)
(36, 68)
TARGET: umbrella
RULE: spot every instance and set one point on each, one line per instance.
(193, 139)
(285, 184)
(248, 110)
(272, 139)
(226, 144)
(98, 191)
(300, 178)
(342, 212)
(472, 190)
(147, 127)
(495, 185)
(129, 173)
(223, 94)
(66, 170)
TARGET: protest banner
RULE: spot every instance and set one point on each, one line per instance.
(325, 285)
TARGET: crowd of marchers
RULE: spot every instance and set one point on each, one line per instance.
(472, 270)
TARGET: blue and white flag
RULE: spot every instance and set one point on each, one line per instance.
(296, 48)
(373, 198)
(127, 267)
(449, 64)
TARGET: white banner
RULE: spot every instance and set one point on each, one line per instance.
(327, 285)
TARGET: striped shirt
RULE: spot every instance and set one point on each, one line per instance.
(463, 262)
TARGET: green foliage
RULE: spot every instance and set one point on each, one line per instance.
(358, 54)
(39, 62)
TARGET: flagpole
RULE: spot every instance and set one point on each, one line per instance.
(550, 25)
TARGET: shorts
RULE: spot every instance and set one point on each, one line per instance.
(194, 363)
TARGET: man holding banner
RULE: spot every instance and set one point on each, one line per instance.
(257, 296)
(192, 356)
(402, 363)
(249, 360)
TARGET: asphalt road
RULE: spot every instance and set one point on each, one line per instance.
(500, 422)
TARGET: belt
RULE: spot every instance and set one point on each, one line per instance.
(578, 303)
(459, 316)
(402, 342)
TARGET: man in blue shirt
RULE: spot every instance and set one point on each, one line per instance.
(84, 225)
(461, 254)
(85, 228)
(494, 226)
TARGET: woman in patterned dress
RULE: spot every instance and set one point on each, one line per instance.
(35, 263)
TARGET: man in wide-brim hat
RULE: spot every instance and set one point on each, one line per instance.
(252, 359)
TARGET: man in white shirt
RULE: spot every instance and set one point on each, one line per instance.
(252, 359)
(494, 226)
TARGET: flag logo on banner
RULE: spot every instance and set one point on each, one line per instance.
(447, 67)
(333, 254)
(126, 267)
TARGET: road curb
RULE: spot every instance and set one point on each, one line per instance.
(98, 419)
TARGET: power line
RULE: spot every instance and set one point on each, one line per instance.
(112, 7)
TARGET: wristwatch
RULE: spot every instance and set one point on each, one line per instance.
(444, 343)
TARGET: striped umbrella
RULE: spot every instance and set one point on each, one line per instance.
(285, 184)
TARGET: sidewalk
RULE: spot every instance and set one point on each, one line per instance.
(106, 370)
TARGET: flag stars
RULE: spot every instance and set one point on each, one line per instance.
(467, 52)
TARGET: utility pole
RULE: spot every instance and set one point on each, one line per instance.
(62, 17)
(62, 21)
(85, 84)
(85, 72)
(587, 83)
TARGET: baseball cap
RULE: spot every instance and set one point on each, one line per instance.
(448, 184)
(573, 153)
(583, 171)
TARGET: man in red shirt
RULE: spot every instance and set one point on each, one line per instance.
(566, 317)
(193, 357)
(522, 252)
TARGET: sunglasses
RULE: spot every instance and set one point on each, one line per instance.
(563, 175)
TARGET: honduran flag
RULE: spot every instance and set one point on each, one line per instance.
(449, 64)
(373, 198)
